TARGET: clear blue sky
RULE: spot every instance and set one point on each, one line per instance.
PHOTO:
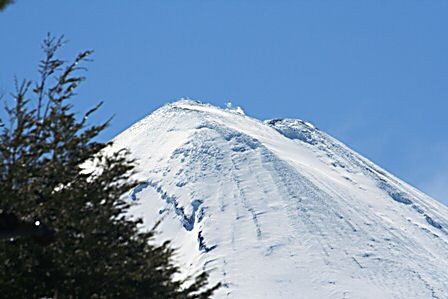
(374, 74)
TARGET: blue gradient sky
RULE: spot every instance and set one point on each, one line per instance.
(374, 74)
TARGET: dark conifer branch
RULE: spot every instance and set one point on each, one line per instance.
(92, 250)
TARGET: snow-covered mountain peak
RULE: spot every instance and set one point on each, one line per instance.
(280, 209)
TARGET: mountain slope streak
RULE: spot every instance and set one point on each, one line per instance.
(279, 209)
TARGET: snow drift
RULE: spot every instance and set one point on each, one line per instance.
(279, 209)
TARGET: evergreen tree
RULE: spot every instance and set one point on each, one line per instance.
(5, 3)
(96, 252)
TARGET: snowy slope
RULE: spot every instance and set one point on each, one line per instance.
(279, 209)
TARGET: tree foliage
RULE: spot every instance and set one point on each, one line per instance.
(97, 252)
(5, 3)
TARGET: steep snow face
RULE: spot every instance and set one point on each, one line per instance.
(279, 209)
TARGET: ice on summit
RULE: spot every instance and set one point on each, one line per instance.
(280, 209)
(236, 109)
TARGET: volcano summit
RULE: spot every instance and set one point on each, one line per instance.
(280, 209)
